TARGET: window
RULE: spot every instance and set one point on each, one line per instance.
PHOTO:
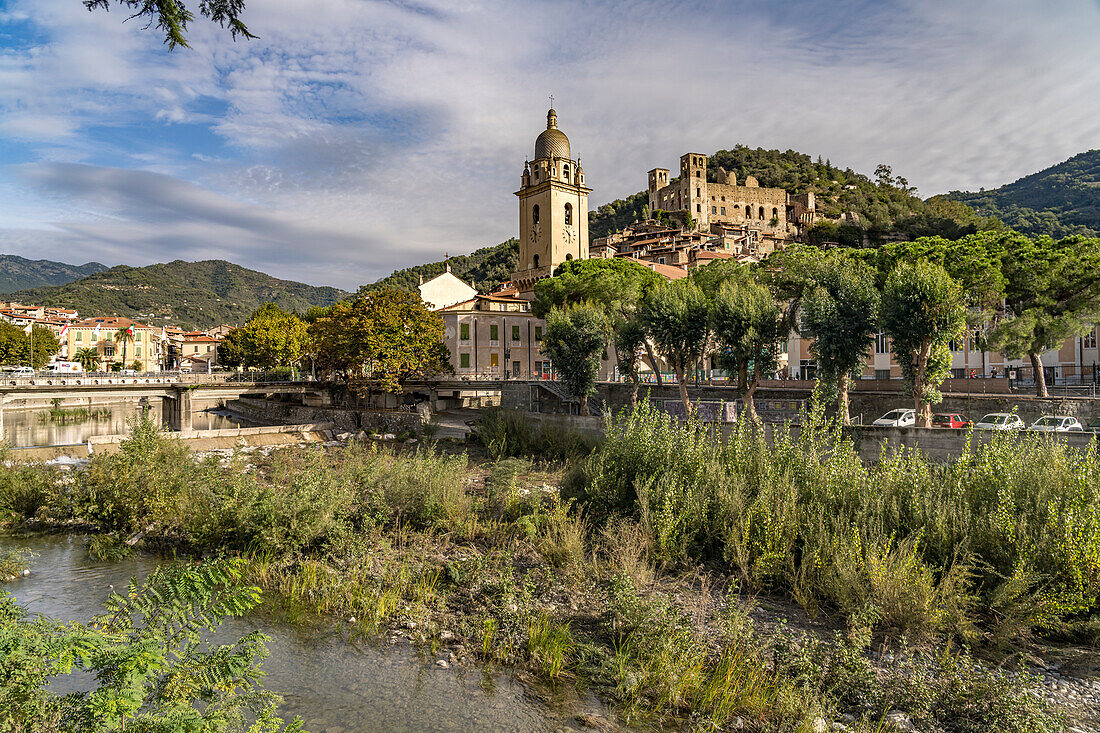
(535, 214)
(515, 333)
(714, 209)
(538, 333)
(660, 260)
(697, 175)
(565, 170)
(494, 359)
(493, 332)
(761, 212)
(1088, 341)
(775, 213)
(464, 360)
(79, 335)
(807, 368)
(108, 350)
(723, 211)
(954, 346)
(515, 369)
(698, 209)
(536, 260)
(568, 257)
(137, 351)
(882, 374)
(464, 331)
(748, 212)
(882, 343)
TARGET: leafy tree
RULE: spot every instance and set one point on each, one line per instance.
(629, 338)
(676, 316)
(840, 312)
(749, 324)
(15, 346)
(1052, 292)
(923, 309)
(575, 337)
(382, 337)
(617, 286)
(153, 670)
(88, 358)
(271, 337)
(172, 16)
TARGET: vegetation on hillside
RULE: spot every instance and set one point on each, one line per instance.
(484, 269)
(19, 273)
(1060, 201)
(188, 294)
(886, 206)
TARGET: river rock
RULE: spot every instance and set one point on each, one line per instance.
(442, 663)
(820, 726)
(898, 721)
(446, 635)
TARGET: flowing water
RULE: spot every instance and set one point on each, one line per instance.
(33, 427)
(334, 685)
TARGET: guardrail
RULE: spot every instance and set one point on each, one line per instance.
(152, 378)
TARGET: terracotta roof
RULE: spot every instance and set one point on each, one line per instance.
(706, 255)
(669, 271)
(107, 322)
(201, 339)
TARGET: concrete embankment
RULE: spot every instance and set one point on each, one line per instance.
(196, 441)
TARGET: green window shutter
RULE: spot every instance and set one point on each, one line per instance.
(515, 333)
(464, 331)
(464, 360)
(493, 332)
(538, 333)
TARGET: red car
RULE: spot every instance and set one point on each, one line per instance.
(950, 420)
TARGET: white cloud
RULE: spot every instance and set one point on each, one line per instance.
(355, 137)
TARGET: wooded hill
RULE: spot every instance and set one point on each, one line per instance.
(187, 294)
(1061, 201)
(19, 273)
(484, 269)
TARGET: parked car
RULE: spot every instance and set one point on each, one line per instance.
(1057, 424)
(1000, 421)
(950, 420)
(899, 418)
(19, 371)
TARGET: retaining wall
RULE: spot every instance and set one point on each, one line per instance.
(343, 419)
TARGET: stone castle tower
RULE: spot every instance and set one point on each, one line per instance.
(553, 208)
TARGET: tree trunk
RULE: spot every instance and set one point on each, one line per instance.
(922, 408)
(748, 398)
(681, 382)
(653, 364)
(583, 408)
(634, 390)
(1040, 376)
(842, 399)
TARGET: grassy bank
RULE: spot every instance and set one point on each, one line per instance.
(636, 584)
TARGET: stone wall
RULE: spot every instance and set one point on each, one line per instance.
(938, 444)
(344, 420)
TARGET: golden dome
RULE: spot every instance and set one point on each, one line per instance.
(552, 142)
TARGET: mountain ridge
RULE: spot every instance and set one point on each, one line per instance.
(19, 273)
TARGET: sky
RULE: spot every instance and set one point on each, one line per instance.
(355, 137)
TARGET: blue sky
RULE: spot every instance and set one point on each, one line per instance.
(355, 137)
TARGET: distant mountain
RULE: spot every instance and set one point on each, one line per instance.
(188, 294)
(19, 273)
(484, 269)
(1060, 201)
(886, 207)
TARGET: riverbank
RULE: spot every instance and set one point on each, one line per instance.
(628, 594)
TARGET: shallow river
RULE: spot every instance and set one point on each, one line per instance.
(336, 687)
(25, 428)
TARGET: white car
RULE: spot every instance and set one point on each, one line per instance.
(19, 371)
(899, 418)
(1000, 421)
(1057, 424)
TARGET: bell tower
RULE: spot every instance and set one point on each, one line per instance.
(553, 208)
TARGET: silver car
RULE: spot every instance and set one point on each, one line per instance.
(900, 418)
(1057, 424)
(1000, 421)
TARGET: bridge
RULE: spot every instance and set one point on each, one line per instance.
(178, 392)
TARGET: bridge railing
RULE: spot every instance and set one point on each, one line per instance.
(52, 379)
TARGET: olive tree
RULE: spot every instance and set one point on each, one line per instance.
(840, 312)
(677, 316)
(923, 310)
(575, 338)
(749, 325)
